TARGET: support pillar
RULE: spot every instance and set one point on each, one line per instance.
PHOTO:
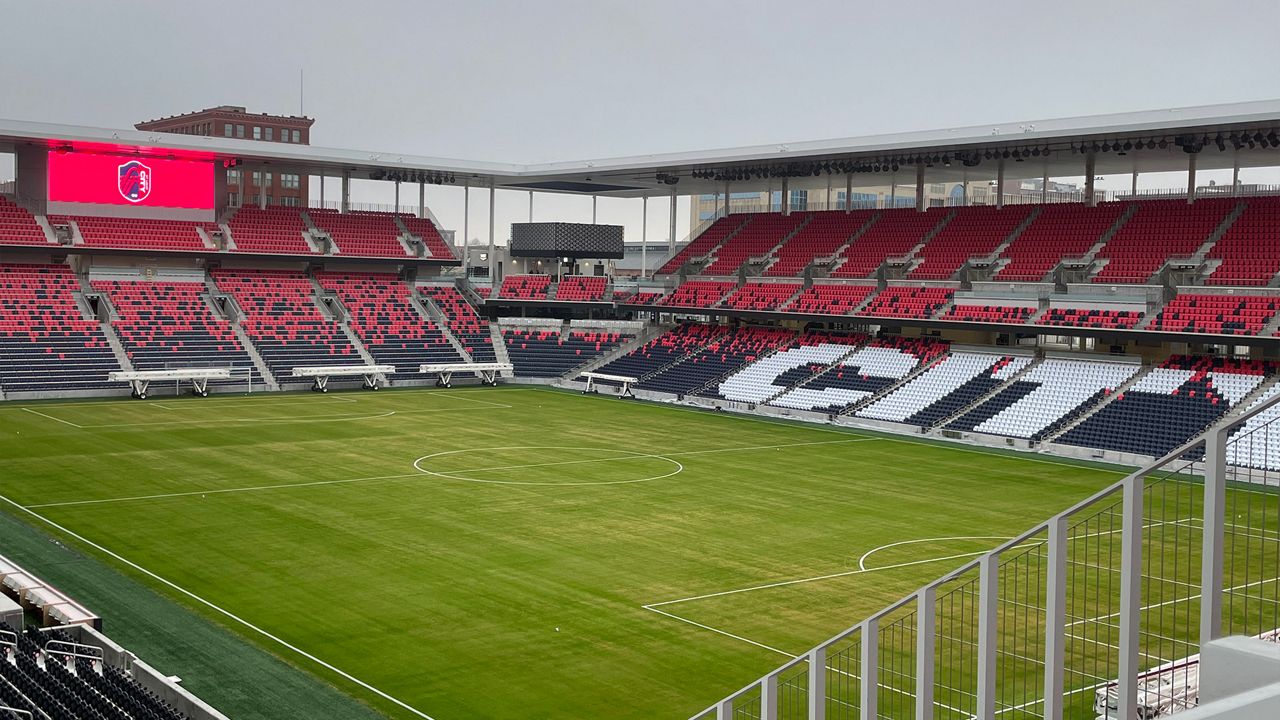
(345, 203)
(786, 196)
(1000, 184)
(848, 193)
(397, 205)
(1044, 186)
(422, 200)
(829, 207)
(1215, 499)
(920, 205)
(262, 189)
(594, 199)
(726, 198)
(321, 191)
(988, 636)
(1191, 177)
(1055, 618)
(926, 636)
(492, 245)
(671, 234)
(1133, 186)
(466, 222)
(1090, 162)
(530, 206)
(1130, 617)
(1235, 176)
(644, 236)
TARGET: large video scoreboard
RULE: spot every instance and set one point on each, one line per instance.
(130, 185)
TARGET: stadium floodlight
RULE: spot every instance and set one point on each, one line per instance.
(1220, 142)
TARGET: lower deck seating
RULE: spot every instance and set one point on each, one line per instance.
(945, 388)
(809, 355)
(544, 352)
(1090, 318)
(722, 355)
(524, 287)
(284, 322)
(669, 347)
(698, 293)
(392, 331)
(1049, 394)
(42, 685)
(46, 343)
(1009, 314)
(466, 325)
(168, 325)
(1169, 405)
(862, 374)
(1218, 314)
(908, 302)
(830, 299)
(582, 288)
(1256, 442)
(636, 297)
(760, 296)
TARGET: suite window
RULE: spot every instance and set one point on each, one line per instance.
(257, 133)
(240, 131)
(297, 136)
(271, 132)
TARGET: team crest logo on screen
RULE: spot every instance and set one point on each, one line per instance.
(134, 181)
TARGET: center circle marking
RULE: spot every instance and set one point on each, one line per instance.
(625, 455)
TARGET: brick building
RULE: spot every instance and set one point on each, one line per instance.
(233, 121)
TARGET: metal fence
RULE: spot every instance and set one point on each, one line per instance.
(1098, 611)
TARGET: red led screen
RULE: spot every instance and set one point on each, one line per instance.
(130, 180)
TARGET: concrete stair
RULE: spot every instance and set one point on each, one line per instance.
(990, 394)
(920, 370)
(650, 332)
(436, 316)
(1088, 413)
(836, 256)
(500, 348)
(834, 365)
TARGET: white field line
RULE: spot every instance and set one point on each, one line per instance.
(226, 613)
(639, 457)
(285, 486)
(50, 417)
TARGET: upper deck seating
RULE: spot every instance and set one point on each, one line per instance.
(1157, 231)
(277, 230)
(824, 234)
(754, 239)
(973, 232)
(893, 234)
(1061, 230)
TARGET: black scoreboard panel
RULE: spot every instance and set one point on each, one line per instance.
(572, 240)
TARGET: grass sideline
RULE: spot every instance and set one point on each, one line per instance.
(448, 593)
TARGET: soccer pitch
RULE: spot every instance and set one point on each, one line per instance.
(510, 552)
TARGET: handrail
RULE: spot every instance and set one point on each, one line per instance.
(75, 651)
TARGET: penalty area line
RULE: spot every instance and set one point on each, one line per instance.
(221, 611)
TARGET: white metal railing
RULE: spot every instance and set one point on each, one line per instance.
(1093, 598)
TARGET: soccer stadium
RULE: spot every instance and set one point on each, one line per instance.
(964, 422)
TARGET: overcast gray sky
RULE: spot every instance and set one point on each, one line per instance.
(569, 79)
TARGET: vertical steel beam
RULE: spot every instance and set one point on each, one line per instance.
(1211, 556)
(869, 690)
(926, 630)
(769, 697)
(1055, 613)
(1130, 619)
(988, 635)
(818, 683)
(920, 204)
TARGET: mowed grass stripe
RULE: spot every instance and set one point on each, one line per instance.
(447, 594)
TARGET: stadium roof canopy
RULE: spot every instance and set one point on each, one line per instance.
(1220, 136)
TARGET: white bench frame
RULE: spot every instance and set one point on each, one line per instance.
(321, 374)
(487, 372)
(626, 381)
(140, 380)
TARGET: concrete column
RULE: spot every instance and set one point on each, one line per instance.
(263, 185)
(345, 203)
(671, 236)
(786, 196)
(492, 244)
(594, 199)
(530, 206)
(422, 199)
(1191, 177)
(1235, 177)
(1090, 162)
(1000, 183)
(321, 191)
(920, 206)
(397, 205)
(466, 218)
(848, 193)
(1133, 186)
(1044, 186)
(726, 198)
(829, 207)
(644, 237)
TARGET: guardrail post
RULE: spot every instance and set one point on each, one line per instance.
(1130, 595)
(1211, 570)
(1055, 616)
(988, 638)
(869, 689)
(724, 709)
(926, 626)
(818, 683)
(769, 697)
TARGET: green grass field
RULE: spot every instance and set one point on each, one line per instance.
(510, 552)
